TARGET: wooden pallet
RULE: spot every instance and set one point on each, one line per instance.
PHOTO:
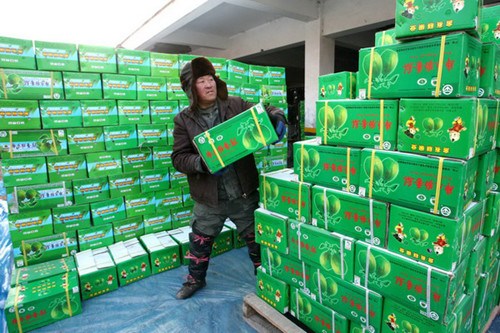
(264, 318)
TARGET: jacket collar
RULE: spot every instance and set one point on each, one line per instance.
(223, 107)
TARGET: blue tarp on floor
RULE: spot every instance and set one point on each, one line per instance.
(149, 305)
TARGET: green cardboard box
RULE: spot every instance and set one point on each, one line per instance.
(282, 192)
(430, 291)
(127, 183)
(223, 242)
(386, 37)
(29, 225)
(99, 113)
(181, 217)
(489, 24)
(234, 88)
(187, 200)
(284, 268)
(152, 135)
(137, 159)
(132, 261)
(104, 163)
(358, 123)
(314, 315)
(177, 179)
(18, 115)
(185, 58)
(163, 64)
(181, 236)
(271, 230)
(163, 251)
(119, 86)
(43, 249)
(273, 94)
(485, 172)
(24, 171)
(53, 56)
(140, 204)
(120, 137)
(400, 318)
(455, 128)
(108, 211)
(129, 228)
(476, 263)
(97, 272)
(61, 114)
(97, 59)
(330, 251)
(30, 143)
(91, 190)
(183, 103)
(485, 293)
(276, 75)
(174, 89)
(133, 112)
(238, 242)
(240, 136)
(258, 74)
(42, 196)
(85, 140)
(439, 185)
(95, 237)
(237, 71)
(157, 222)
(69, 167)
(17, 53)
(154, 180)
(250, 92)
(356, 303)
(434, 240)
(340, 85)
(491, 257)
(423, 18)
(496, 178)
(82, 85)
(71, 218)
(489, 85)
(135, 62)
(27, 84)
(439, 66)
(151, 88)
(336, 167)
(350, 215)
(25, 275)
(273, 291)
(220, 66)
(163, 112)
(42, 302)
(491, 214)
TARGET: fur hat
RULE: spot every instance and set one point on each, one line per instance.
(195, 69)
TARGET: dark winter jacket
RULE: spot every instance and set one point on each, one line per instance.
(203, 185)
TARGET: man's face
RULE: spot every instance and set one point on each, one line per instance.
(206, 90)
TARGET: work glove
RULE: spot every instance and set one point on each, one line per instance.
(279, 122)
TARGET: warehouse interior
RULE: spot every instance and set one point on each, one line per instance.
(309, 38)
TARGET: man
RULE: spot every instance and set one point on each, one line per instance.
(230, 192)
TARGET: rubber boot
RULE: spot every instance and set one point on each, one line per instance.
(200, 248)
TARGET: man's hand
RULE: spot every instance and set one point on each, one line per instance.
(279, 122)
(280, 130)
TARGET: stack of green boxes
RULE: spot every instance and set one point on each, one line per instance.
(86, 136)
(390, 217)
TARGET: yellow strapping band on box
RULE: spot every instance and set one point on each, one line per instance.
(23, 249)
(66, 243)
(256, 120)
(370, 73)
(300, 200)
(478, 105)
(325, 130)
(438, 186)
(211, 142)
(302, 162)
(68, 301)
(11, 145)
(264, 189)
(440, 65)
(18, 319)
(4, 83)
(372, 167)
(348, 173)
(381, 124)
(383, 38)
(54, 142)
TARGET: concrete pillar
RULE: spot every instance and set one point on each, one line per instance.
(319, 60)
